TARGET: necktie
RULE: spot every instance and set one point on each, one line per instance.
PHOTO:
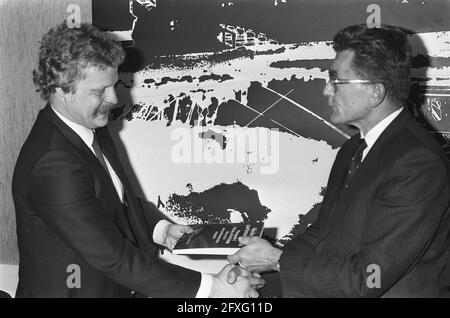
(355, 162)
(98, 152)
(113, 176)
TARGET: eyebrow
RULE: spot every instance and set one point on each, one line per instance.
(102, 88)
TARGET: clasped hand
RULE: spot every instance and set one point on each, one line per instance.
(257, 255)
(236, 282)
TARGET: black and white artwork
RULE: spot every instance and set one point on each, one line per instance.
(221, 114)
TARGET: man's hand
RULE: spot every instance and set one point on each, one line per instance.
(173, 232)
(257, 255)
(241, 288)
(254, 278)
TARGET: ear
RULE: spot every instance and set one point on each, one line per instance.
(378, 94)
(59, 91)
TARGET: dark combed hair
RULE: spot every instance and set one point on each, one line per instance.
(66, 51)
(381, 55)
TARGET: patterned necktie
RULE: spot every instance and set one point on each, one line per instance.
(356, 161)
(98, 152)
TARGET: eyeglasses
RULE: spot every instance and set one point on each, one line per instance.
(335, 82)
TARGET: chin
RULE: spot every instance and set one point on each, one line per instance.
(101, 121)
(338, 119)
(335, 120)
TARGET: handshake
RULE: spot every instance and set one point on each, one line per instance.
(240, 278)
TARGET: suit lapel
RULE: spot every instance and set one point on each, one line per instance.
(372, 158)
(338, 175)
(341, 201)
(86, 154)
(136, 232)
(110, 153)
(136, 218)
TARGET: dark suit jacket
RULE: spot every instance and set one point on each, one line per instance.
(394, 214)
(68, 212)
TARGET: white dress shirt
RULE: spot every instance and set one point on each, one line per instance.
(87, 135)
(373, 134)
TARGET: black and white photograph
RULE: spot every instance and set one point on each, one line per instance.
(127, 124)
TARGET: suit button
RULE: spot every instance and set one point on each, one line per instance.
(132, 292)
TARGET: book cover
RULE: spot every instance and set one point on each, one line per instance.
(216, 239)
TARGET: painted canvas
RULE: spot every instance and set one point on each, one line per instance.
(221, 115)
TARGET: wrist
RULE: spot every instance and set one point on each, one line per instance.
(274, 258)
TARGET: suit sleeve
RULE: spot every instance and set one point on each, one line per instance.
(402, 219)
(62, 194)
(152, 214)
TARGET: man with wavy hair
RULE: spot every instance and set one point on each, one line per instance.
(82, 232)
(383, 226)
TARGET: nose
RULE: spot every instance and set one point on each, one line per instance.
(328, 90)
(111, 97)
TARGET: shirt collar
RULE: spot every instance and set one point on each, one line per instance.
(86, 134)
(373, 134)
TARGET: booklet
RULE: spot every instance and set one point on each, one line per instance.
(216, 239)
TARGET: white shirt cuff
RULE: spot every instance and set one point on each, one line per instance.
(205, 286)
(158, 232)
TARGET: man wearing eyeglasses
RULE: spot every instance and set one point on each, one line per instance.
(383, 227)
